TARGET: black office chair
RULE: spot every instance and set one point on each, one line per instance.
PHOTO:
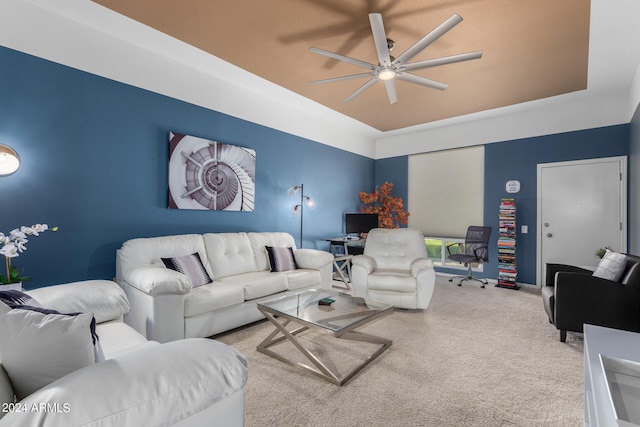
(476, 250)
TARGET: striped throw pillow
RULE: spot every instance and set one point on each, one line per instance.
(191, 266)
(281, 259)
(14, 297)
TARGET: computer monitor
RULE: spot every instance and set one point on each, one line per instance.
(358, 223)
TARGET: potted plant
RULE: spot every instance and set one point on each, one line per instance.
(601, 252)
(11, 246)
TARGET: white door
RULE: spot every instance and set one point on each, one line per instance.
(581, 207)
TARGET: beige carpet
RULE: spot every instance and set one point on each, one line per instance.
(475, 357)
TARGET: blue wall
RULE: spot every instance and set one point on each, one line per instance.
(510, 160)
(518, 159)
(94, 162)
(387, 170)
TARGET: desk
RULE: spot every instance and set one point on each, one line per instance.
(344, 243)
(342, 260)
(346, 265)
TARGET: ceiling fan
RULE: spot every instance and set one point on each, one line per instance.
(389, 68)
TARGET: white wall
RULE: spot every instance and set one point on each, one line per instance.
(89, 37)
(634, 186)
(559, 114)
(86, 36)
(614, 58)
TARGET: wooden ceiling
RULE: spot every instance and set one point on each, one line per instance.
(532, 49)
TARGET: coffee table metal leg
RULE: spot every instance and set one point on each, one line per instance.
(271, 340)
(320, 369)
(359, 336)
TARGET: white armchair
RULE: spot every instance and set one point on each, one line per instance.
(395, 269)
(49, 375)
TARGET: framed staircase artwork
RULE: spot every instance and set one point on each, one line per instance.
(210, 175)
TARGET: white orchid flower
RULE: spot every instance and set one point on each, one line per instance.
(13, 244)
(39, 228)
(21, 245)
(10, 250)
(17, 234)
(28, 231)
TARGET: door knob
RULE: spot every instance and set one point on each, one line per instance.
(546, 224)
(549, 234)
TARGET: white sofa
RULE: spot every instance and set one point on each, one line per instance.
(140, 383)
(166, 307)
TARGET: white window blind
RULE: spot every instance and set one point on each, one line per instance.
(446, 191)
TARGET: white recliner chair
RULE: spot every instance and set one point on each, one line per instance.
(394, 269)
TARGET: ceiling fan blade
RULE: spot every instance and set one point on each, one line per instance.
(428, 39)
(391, 91)
(362, 88)
(440, 61)
(412, 78)
(343, 58)
(380, 39)
(337, 79)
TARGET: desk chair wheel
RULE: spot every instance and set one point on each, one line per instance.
(482, 282)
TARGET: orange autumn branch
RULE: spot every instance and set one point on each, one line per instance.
(390, 209)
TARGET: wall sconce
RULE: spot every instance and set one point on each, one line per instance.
(299, 208)
(9, 160)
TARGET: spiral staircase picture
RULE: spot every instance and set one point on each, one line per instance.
(210, 175)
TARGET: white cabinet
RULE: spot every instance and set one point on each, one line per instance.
(613, 344)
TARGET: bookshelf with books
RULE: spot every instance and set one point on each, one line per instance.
(507, 265)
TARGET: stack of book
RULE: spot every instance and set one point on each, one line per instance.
(507, 267)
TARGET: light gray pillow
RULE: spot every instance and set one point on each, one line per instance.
(39, 348)
(611, 266)
(4, 308)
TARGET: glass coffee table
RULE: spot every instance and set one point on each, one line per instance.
(340, 318)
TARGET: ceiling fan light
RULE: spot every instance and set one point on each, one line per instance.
(386, 74)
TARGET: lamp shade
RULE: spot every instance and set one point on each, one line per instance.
(9, 160)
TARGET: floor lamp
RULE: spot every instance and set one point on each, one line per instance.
(299, 208)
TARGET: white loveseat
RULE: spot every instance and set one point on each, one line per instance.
(185, 383)
(166, 307)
